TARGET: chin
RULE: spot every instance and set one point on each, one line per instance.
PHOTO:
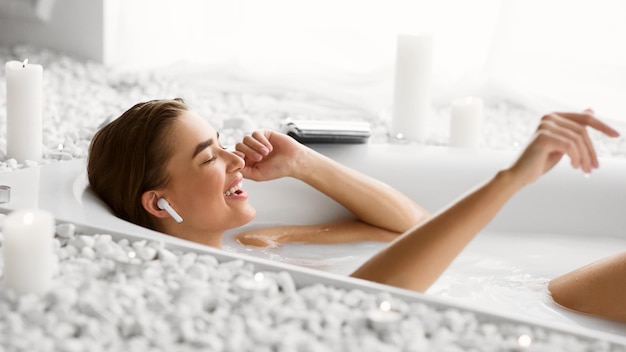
(247, 215)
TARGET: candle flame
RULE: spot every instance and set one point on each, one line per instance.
(259, 277)
(524, 341)
(385, 306)
(132, 254)
(25, 62)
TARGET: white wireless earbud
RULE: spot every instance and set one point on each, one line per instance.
(164, 205)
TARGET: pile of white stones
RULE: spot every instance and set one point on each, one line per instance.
(120, 295)
(141, 296)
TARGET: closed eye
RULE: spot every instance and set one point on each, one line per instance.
(213, 158)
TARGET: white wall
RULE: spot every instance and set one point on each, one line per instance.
(75, 27)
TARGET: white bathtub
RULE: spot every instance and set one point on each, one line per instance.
(555, 225)
(561, 222)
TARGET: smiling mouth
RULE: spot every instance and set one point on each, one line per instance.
(234, 191)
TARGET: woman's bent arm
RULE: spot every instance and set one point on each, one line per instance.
(271, 155)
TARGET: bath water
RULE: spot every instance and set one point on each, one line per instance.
(503, 273)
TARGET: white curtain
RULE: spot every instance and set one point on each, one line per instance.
(568, 53)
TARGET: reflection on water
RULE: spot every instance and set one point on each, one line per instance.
(501, 273)
(336, 258)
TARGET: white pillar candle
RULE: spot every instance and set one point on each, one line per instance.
(411, 105)
(466, 122)
(29, 260)
(24, 92)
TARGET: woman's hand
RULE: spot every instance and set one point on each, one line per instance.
(269, 155)
(560, 134)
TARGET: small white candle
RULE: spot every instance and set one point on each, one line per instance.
(29, 260)
(24, 92)
(466, 122)
(130, 265)
(250, 287)
(411, 104)
(383, 318)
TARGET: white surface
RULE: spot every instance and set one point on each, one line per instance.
(564, 202)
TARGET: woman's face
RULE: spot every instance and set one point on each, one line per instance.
(204, 181)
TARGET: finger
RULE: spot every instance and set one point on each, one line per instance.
(261, 136)
(578, 134)
(591, 121)
(557, 146)
(256, 145)
(248, 152)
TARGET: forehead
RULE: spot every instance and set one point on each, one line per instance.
(190, 126)
(187, 132)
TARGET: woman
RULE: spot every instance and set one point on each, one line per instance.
(160, 161)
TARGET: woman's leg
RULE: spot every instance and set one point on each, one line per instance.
(597, 289)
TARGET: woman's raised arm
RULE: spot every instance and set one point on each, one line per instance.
(418, 257)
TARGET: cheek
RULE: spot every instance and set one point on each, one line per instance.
(208, 187)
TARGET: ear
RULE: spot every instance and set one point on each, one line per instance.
(149, 203)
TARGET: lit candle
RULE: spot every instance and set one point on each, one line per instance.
(130, 265)
(411, 105)
(383, 318)
(27, 250)
(24, 93)
(250, 287)
(466, 122)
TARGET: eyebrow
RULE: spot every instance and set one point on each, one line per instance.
(202, 146)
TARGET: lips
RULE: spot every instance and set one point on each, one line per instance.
(235, 190)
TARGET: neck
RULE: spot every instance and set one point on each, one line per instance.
(209, 239)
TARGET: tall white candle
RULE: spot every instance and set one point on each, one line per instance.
(24, 92)
(411, 105)
(29, 260)
(466, 122)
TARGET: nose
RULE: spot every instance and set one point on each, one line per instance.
(235, 162)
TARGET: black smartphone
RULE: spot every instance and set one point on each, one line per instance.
(316, 131)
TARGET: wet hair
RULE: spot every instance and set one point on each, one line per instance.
(128, 156)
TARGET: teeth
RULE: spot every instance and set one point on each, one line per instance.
(233, 190)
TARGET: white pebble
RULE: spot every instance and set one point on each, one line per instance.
(83, 241)
(71, 345)
(63, 330)
(104, 249)
(64, 295)
(286, 283)
(100, 239)
(88, 252)
(139, 244)
(67, 252)
(207, 259)
(167, 256)
(12, 164)
(146, 253)
(187, 260)
(198, 271)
